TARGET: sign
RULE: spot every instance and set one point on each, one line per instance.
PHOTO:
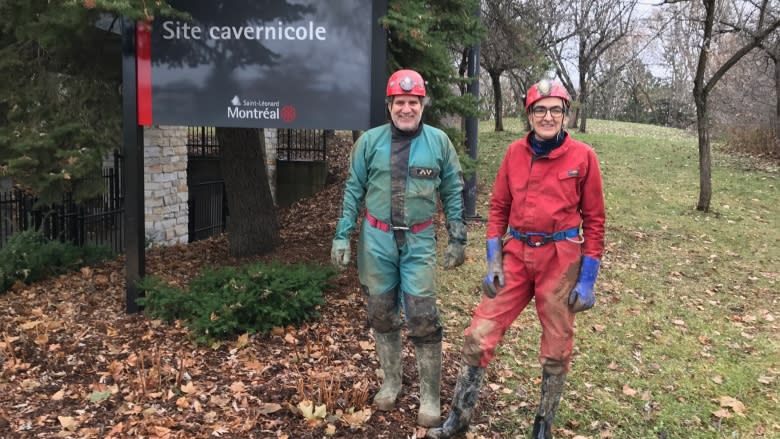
(265, 64)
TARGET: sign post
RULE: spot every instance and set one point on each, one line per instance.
(132, 134)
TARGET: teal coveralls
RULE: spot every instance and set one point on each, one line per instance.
(396, 176)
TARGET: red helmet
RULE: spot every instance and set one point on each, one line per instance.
(546, 89)
(406, 82)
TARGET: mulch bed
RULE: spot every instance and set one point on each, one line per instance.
(74, 364)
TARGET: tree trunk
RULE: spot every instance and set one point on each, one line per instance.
(705, 155)
(253, 227)
(583, 110)
(574, 118)
(777, 99)
(498, 104)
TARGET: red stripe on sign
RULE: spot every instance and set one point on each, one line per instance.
(143, 66)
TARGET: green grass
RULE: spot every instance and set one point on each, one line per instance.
(688, 301)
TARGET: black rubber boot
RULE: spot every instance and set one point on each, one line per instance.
(463, 402)
(552, 389)
(388, 349)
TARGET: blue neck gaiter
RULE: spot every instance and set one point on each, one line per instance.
(543, 147)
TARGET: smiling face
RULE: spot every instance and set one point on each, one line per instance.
(546, 126)
(406, 112)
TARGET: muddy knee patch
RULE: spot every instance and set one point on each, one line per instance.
(382, 311)
(423, 319)
(474, 340)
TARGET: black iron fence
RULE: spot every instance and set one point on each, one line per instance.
(96, 221)
(207, 204)
(202, 142)
(207, 209)
(305, 145)
(308, 145)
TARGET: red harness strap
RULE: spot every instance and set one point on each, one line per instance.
(385, 227)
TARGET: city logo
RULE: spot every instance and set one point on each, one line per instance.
(288, 113)
(259, 109)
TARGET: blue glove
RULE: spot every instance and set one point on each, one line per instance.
(339, 253)
(495, 268)
(581, 297)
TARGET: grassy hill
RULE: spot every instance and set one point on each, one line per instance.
(683, 341)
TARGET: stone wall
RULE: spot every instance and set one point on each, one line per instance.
(165, 182)
(165, 185)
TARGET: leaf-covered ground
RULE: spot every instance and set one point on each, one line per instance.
(74, 364)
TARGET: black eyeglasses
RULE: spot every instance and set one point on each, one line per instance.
(540, 111)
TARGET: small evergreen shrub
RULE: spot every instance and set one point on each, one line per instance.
(226, 302)
(29, 256)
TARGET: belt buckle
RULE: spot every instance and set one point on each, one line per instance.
(396, 228)
(531, 243)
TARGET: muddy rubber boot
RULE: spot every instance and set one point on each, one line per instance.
(552, 389)
(463, 402)
(429, 368)
(388, 349)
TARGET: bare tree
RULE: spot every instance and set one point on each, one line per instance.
(755, 22)
(596, 25)
(509, 44)
(772, 48)
(679, 55)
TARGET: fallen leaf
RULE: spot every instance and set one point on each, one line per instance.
(310, 412)
(30, 325)
(58, 395)
(189, 387)
(267, 408)
(732, 403)
(721, 413)
(68, 422)
(628, 390)
(717, 379)
(358, 417)
(242, 340)
(219, 431)
(99, 396)
(238, 387)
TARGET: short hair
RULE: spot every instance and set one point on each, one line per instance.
(424, 100)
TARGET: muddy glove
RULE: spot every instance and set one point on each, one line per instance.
(495, 268)
(455, 254)
(339, 253)
(581, 297)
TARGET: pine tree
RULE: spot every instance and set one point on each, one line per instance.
(429, 36)
(60, 108)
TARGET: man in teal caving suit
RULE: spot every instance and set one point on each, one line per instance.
(396, 172)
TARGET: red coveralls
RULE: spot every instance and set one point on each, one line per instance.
(540, 194)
